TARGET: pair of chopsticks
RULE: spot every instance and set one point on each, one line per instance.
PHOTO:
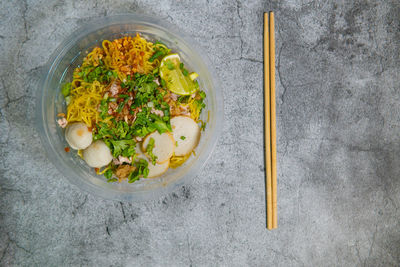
(270, 119)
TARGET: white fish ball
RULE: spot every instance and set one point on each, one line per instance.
(78, 135)
(97, 154)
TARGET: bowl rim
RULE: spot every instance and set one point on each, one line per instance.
(91, 26)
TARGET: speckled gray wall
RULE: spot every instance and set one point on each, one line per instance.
(338, 104)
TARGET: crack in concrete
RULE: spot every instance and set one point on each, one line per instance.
(34, 69)
(168, 17)
(381, 57)
(80, 205)
(249, 59)
(5, 250)
(107, 229)
(12, 241)
(225, 36)
(26, 37)
(10, 101)
(286, 146)
(298, 198)
(358, 148)
(241, 26)
(3, 83)
(123, 211)
(21, 193)
(189, 250)
(8, 123)
(280, 76)
(240, 140)
(372, 244)
(25, 2)
(358, 254)
(21, 247)
(216, 36)
(113, 223)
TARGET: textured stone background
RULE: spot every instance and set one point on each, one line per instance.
(338, 107)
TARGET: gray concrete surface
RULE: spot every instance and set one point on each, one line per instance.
(338, 105)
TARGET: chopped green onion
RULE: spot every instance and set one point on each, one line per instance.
(66, 89)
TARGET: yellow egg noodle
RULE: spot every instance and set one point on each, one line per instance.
(85, 98)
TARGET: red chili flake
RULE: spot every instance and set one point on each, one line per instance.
(66, 149)
(96, 169)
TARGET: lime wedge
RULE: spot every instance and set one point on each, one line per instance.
(193, 76)
(176, 81)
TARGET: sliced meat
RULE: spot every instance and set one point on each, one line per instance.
(62, 122)
(114, 89)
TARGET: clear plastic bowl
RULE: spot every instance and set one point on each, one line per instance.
(50, 102)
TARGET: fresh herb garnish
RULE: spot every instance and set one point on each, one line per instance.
(100, 73)
(183, 99)
(66, 89)
(141, 170)
(125, 148)
(108, 174)
(149, 151)
(160, 125)
(183, 137)
(118, 137)
(184, 71)
(122, 105)
(103, 108)
(157, 54)
(163, 83)
(147, 122)
(202, 94)
(160, 50)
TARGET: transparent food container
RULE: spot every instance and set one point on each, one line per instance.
(50, 102)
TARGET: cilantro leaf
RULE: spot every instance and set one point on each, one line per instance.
(119, 145)
(108, 174)
(149, 151)
(141, 170)
(160, 125)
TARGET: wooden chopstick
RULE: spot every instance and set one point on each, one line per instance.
(267, 127)
(273, 117)
(270, 120)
